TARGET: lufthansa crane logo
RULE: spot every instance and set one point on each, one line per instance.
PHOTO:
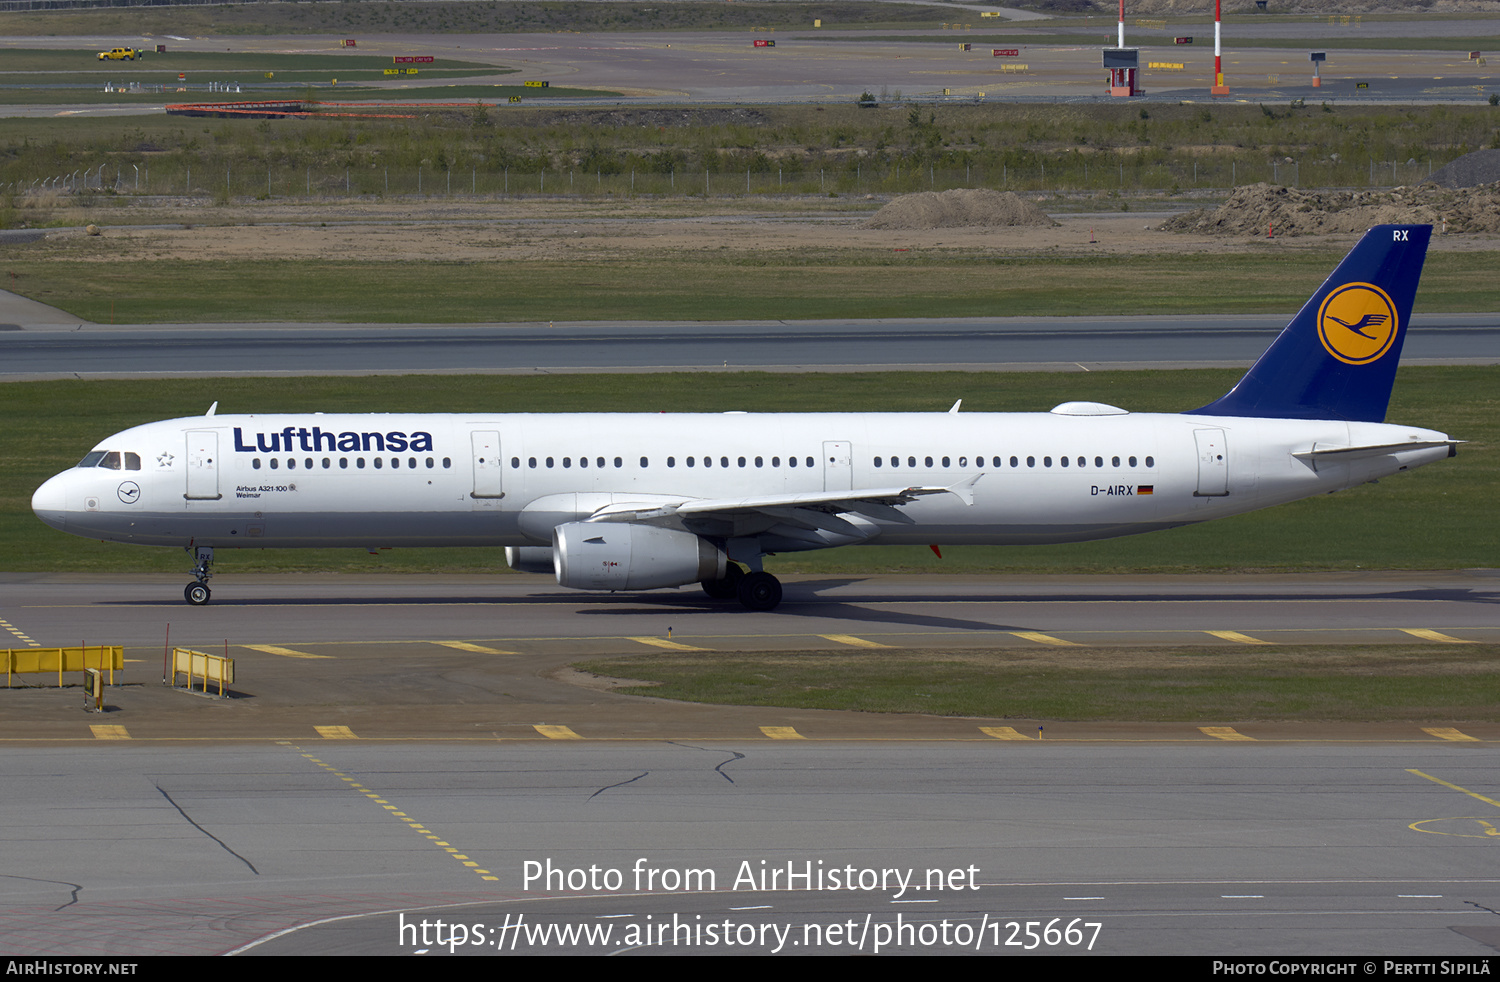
(1357, 323)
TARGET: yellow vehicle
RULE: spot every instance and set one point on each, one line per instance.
(118, 54)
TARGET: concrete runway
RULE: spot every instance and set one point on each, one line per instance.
(329, 847)
(819, 65)
(974, 344)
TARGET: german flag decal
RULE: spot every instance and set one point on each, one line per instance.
(1145, 488)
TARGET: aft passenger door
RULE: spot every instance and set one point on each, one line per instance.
(488, 469)
(1213, 464)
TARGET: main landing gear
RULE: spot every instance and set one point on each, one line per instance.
(756, 591)
(197, 592)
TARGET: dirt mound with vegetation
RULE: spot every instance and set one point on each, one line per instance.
(959, 208)
(1262, 209)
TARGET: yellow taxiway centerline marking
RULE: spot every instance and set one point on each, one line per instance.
(552, 732)
(1427, 634)
(1236, 636)
(1043, 638)
(104, 731)
(1003, 733)
(272, 649)
(782, 733)
(1438, 780)
(664, 643)
(851, 640)
(1448, 733)
(335, 733)
(471, 646)
(1223, 733)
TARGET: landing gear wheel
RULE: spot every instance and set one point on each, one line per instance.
(760, 591)
(196, 594)
(726, 589)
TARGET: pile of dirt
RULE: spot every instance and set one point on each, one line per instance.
(1470, 170)
(1262, 208)
(959, 208)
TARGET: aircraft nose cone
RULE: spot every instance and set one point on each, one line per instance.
(50, 503)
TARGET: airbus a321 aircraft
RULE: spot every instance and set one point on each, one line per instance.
(634, 502)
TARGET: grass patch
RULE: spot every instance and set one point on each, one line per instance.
(1105, 149)
(1395, 683)
(85, 277)
(1439, 517)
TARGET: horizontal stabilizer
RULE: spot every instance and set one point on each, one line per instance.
(1322, 452)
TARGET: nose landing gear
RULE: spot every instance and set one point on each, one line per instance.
(197, 592)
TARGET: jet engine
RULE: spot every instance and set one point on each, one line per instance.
(529, 559)
(626, 556)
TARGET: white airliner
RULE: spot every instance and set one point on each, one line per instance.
(634, 502)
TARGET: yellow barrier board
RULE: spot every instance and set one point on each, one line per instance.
(202, 668)
(34, 661)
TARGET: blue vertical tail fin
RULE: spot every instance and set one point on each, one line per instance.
(1337, 358)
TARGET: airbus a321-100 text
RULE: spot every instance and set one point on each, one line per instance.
(609, 501)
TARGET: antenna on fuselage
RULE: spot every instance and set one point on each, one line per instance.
(212, 409)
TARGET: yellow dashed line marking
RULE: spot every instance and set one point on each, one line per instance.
(782, 733)
(19, 633)
(470, 646)
(1448, 733)
(335, 733)
(1438, 780)
(1429, 635)
(1236, 636)
(103, 731)
(1223, 733)
(484, 874)
(850, 639)
(1044, 638)
(1003, 733)
(272, 649)
(664, 643)
(556, 732)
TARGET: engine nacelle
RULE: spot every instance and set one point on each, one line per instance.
(529, 559)
(625, 556)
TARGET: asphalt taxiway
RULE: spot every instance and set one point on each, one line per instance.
(967, 344)
(486, 657)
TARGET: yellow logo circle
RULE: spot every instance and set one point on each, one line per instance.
(1357, 323)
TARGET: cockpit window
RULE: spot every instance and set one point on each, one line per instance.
(112, 459)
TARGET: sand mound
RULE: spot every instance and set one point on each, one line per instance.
(1290, 211)
(959, 208)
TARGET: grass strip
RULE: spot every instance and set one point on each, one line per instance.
(90, 278)
(1389, 683)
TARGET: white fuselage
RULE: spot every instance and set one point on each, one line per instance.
(376, 481)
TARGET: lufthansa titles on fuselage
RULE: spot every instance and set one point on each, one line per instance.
(314, 439)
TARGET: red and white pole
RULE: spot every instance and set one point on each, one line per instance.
(1219, 87)
(1121, 43)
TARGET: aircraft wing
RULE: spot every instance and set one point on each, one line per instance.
(813, 510)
